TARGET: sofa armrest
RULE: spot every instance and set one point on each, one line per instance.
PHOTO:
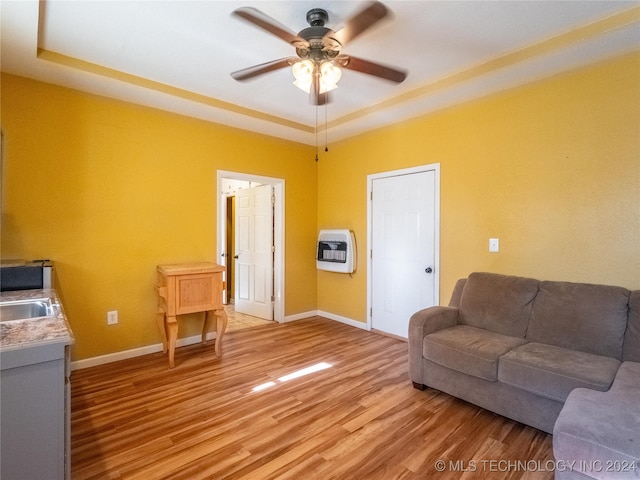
(421, 324)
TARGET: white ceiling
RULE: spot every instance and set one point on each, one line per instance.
(177, 55)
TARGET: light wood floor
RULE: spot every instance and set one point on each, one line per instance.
(358, 419)
(240, 321)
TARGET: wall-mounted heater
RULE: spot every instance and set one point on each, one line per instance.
(336, 251)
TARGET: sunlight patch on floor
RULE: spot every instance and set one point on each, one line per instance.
(297, 374)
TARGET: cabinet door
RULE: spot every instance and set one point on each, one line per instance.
(32, 417)
(198, 292)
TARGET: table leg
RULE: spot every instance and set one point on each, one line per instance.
(172, 328)
(221, 326)
(205, 327)
(160, 320)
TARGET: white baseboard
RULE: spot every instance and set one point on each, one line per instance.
(330, 316)
(181, 342)
(135, 352)
(338, 318)
(300, 316)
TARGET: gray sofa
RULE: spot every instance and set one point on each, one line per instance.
(543, 353)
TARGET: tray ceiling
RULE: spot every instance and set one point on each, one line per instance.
(177, 55)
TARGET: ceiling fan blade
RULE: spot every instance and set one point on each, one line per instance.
(371, 68)
(315, 97)
(259, 19)
(358, 23)
(247, 73)
(319, 99)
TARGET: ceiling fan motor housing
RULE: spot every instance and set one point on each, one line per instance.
(317, 17)
(321, 47)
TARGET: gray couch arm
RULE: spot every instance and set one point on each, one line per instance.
(421, 324)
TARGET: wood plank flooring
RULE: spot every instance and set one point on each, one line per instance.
(357, 419)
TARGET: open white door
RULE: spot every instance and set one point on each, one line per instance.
(404, 245)
(254, 251)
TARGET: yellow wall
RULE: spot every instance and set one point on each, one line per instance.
(108, 190)
(552, 169)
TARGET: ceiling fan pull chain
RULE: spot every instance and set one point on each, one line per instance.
(316, 133)
(326, 127)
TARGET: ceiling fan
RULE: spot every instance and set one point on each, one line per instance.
(318, 48)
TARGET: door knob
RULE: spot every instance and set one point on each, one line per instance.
(236, 257)
(428, 270)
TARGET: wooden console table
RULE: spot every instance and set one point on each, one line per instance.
(189, 288)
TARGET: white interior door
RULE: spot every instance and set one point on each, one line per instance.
(403, 244)
(254, 252)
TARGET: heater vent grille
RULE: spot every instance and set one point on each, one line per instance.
(336, 251)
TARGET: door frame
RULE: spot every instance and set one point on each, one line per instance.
(278, 230)
(435, 167)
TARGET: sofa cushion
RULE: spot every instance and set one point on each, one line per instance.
(469, 350)
(580, 316)
(553, 371)
(457, 293)
(499, 303)
(631, 350)
(599, 432)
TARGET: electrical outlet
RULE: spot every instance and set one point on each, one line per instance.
(494, 245)
(112, 317)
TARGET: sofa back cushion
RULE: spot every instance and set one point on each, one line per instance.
(580, 316)
(631, 350)
(499, 303)
(457, 293)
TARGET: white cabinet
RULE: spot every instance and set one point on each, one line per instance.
(35, 394)
(34, 410)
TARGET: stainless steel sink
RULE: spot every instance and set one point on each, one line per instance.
(25, 309)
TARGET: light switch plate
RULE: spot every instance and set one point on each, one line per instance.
(112, 317)
(494, 245)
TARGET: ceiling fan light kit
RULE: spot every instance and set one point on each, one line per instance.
(318, 66)
(304, 72)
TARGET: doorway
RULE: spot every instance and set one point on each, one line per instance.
(227, 182)
(403, 235)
